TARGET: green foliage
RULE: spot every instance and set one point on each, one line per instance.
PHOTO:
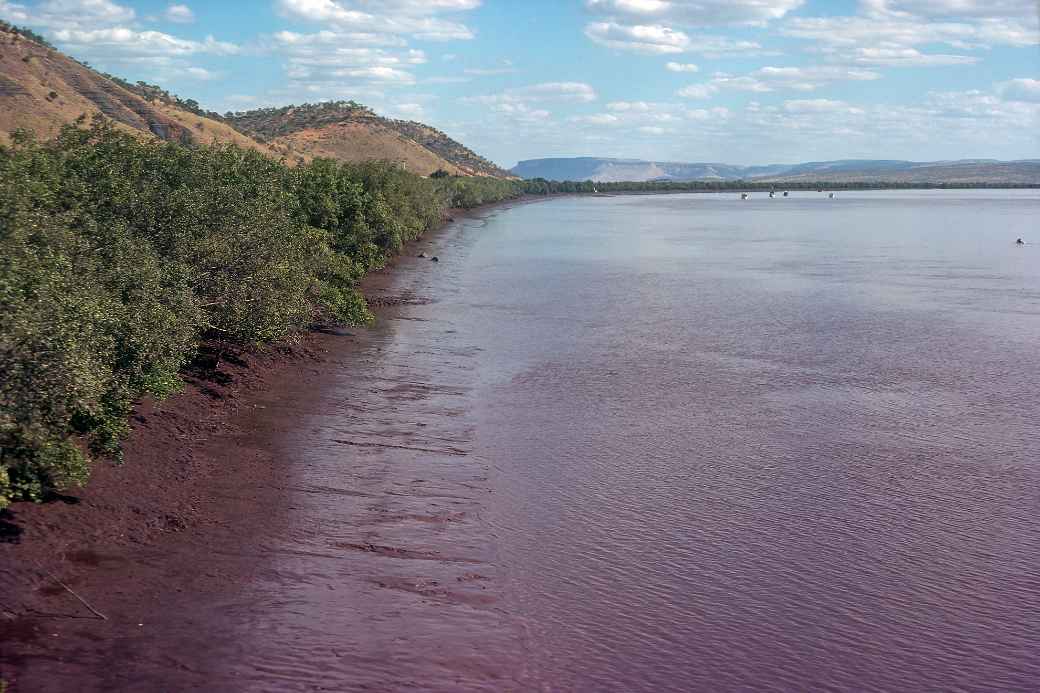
(473, 192)
(118, 255)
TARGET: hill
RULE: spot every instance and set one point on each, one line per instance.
(42, 89)
(968, 171)
(348, 131)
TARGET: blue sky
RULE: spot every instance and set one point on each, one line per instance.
(734, 81)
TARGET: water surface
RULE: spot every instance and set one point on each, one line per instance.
(788, 444)
(678, 443)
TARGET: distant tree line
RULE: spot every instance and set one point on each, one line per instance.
(118, 256)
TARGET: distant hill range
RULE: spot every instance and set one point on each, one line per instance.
(966, 171)
(42, 89)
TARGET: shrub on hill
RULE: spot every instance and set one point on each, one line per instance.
(26, 32)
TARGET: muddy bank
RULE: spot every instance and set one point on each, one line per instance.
(204, 485)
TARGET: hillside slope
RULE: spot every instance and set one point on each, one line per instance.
(349, 131)
(42, 89)
(968, 171)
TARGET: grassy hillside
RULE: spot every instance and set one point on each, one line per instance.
(352, 141)
(42, 89)
(348, 131)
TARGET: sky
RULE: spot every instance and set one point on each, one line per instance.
(731, 81)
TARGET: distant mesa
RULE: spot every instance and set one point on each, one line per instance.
(965, 171)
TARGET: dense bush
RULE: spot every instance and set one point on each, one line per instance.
(117, 256)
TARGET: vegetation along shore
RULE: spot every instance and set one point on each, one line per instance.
(120, 256)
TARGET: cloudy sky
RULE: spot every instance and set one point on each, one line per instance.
(736, 81)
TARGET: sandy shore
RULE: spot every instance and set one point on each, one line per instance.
(91, 567)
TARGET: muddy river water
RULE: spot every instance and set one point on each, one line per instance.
(685, 442)
(689, 443)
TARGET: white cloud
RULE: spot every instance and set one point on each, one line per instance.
(407, 111)
(546, 91)
(659, 26)
(662, 40)
(201, 73)
(893, 32)
(597, 119)
(651, 117)
(523, 106)
(120, 42)
(977, 122)
(632, 106)
(417, 18)
(820, 106)
(770, 78)
(959, 8)
(179, 14)
(447, 79)
(1021, 89)
(68, 14)
(365, 41)
(903, 57)
(694, 12)
(681, 67)
(331, 57)
(638, 38)
(698, 91)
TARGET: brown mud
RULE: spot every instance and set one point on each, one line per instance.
(89, 576)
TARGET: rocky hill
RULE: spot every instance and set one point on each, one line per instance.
(42, 89)
(967, 171)
(348, 131)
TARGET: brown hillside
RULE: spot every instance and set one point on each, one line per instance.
(351, 141)
(42, 89)
(349, 131)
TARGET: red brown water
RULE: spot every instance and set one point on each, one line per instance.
(663, 443)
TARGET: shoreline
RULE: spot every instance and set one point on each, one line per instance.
(198, 468)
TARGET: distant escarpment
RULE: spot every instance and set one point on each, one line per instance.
(964, 171)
